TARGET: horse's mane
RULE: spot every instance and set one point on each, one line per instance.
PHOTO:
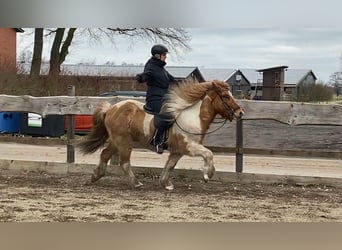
(184, 95)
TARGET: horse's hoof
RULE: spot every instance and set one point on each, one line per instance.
(138, 185)
(94, 178)
(205, 178)
(169, 188)
(211, 174)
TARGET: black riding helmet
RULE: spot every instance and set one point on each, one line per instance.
(159, 49)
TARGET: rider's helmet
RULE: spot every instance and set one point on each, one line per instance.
(159, 49)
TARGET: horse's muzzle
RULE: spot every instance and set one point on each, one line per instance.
(238, 113)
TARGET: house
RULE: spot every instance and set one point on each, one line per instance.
(280, 83)
(129, 71)
(276, 83)
(255, 79)
(8, 49)
(238, 82)
(273, 83)
(119, 77)
(294, 80)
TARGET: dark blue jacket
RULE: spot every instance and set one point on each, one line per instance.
(158, 81)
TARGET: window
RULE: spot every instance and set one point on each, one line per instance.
(276, 77)
(238, 77)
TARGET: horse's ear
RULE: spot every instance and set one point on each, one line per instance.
(216, 85)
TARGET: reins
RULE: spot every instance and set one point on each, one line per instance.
(207, 133)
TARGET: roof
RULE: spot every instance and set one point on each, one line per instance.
(222, 74)
(100, 70)
(273, 68)
(112, 70)
(295, 76)
(253, 76)
(183, 71)
(292, 76)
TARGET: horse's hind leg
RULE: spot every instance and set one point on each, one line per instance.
(100, 171)
(125, 163)
(169, 166)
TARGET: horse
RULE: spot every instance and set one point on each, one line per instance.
(192, 105)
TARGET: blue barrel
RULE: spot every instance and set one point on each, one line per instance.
(9, 122)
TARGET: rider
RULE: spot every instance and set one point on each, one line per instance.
(158, 81)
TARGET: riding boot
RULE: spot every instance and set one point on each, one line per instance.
(164, 139)
(157, 142)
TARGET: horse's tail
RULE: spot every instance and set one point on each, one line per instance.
(98, 134)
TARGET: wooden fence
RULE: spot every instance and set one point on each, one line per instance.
(289, 113)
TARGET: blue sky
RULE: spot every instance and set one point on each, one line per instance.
(318, 49)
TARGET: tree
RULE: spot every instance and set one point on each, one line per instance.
(172, 37)
(37, 52)
(335, 81)
(60, 50)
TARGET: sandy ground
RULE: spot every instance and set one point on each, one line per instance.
(41, 196)
(32, 196)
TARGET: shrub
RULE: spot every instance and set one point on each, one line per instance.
(314, 92)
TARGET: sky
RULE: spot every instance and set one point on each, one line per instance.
(318, 49)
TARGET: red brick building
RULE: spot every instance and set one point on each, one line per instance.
(8, 49)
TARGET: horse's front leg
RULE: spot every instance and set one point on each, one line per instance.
(169, 166)
(208, 167)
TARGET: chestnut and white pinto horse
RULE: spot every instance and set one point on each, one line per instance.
(193, 105)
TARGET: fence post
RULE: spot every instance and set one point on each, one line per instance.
(239, 146)
(71, 131)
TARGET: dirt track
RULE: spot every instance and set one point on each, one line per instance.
(45, 197)
(29, 196)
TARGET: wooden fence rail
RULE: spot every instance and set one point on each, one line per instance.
(285, 112)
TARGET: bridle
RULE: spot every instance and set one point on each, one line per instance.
(229, 108)
(226, 106)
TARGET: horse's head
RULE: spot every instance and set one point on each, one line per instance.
(224, 102)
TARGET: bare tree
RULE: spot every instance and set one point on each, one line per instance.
(174, 38)
(60, 50)
(37, 52)
(335, 80)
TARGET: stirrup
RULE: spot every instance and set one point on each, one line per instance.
(159, 148)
